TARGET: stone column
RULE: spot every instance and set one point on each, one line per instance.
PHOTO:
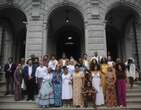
(86, 38)
(45, 29)
(95, 38)
(35, 27)
(8, 45)
(0, 40)
(34, 39)
(95, 31)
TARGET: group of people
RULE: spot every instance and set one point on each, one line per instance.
(60, 82)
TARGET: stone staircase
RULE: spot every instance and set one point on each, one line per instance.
(8, 102)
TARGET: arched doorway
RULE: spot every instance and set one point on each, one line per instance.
(12, 34)
(68, 41)
(65, 32)
(121, 29)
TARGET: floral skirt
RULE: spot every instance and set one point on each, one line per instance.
(45, 96)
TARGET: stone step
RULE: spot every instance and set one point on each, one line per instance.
(18, 106)
(35, 107)
(138, 82)
(129, 96)
(11, 100)
(2, 83)
(135, 93)
(134, 101)
(130, 93)
(132, 104)
(8, 102)
(134, 90)
(2, 77)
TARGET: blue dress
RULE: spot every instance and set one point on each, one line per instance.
(57, 88)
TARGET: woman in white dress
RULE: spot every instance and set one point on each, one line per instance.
(97, 84)
(66, 85)
(131, 72)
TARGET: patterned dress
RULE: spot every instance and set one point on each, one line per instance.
(121, 88)
(104, 68)
(57, 88)
(46, 96)
(110, 90)
(77, 89)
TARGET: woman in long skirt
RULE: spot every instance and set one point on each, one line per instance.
(18, 82)
(121, 84)
(57, 86)
(46, 96)
(77, 88)
(66, 86)
(103, 69)
(97, 84)
(110, 88)
(131, 72)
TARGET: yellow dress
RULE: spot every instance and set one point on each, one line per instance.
(104, 70)
(77, 88)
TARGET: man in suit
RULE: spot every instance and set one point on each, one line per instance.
(9, 69)
(29, 75)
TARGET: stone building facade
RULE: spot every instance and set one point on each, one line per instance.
(72, 27)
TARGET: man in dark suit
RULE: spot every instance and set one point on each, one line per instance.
(29, 76)
(9, 69)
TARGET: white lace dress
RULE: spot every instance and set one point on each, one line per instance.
(99, 91)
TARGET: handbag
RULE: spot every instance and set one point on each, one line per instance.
(23, 86)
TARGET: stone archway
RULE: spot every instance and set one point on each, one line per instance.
(68, 30)
(121, 32)
(12, 33)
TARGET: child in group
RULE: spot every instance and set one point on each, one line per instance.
(88, 92)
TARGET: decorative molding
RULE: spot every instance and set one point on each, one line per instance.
(53, 5)
(122, 1)
(94, 4)
(9, 2)
(36, 9)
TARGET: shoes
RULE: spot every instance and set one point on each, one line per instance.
(12, 92)
(32, 99)
(27, 99)
(6, 93)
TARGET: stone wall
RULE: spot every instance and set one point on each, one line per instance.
(93, 11)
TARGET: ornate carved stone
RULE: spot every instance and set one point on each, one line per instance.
(36, 9)
(10, 2)
(94, 9)
(122, 1)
